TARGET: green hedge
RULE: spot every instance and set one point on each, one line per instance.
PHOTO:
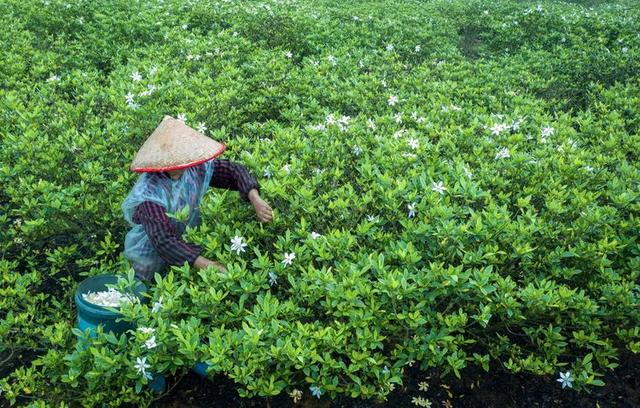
(526, 259)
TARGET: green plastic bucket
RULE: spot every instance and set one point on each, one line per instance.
(91, 315)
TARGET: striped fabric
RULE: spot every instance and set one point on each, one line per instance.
(170, 246)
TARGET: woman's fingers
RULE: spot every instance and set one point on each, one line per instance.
(265, 215)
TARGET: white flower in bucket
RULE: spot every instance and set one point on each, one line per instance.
(108, 298)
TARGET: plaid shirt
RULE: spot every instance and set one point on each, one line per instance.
(170, 246)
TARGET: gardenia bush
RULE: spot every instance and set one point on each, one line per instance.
(455, 184)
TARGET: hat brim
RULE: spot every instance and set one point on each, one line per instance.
(180, 166)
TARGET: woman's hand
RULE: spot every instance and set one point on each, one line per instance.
(201, 262)
(263, 211)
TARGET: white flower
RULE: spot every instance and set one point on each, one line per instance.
(498, 128)
(296, 395)
(393, 99)
(129, 97)
(273, 278)
(546, 131)
(588, 168)
(565, 379)
(355, 18)
(370, 124)
(438, 187)
(624, 50)
(152, 70)
(398, 117)
(134, 105)
(53, 78)
(146, 330)
(182, 117)
(389, 47)
(330, 119)
(235, 34)
(151, 88)
(332, 60)
(288, 54)
(423, 386)
(237, 244)
(411, 155)
(288, 258)
(267, 173)
(150, 343)
(157, 306)
(318, 170)
(372, 218)
(421, 402)
(108, 298)
(357, 150)
(467, 172)
(503, 153)
(315, 391)
(413, 143)
(286, 168)
(417, 49)
(515, 125)
(398, 133)
(185, 26)
(319, 127)
(136, 76)
(412, 209)
(202, 127)
(141, 365)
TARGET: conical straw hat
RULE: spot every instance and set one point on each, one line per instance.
(174, 145)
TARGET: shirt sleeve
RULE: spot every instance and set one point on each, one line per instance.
(233, 176)
(171, 248)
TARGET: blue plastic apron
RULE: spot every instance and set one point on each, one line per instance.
(173, 195)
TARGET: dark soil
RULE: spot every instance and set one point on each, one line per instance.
(476, 389)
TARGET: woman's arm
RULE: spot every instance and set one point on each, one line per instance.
(171, 248)
(233, 176)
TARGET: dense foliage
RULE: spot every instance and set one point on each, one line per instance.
(458, 181)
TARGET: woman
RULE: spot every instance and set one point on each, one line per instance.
(177, 165)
